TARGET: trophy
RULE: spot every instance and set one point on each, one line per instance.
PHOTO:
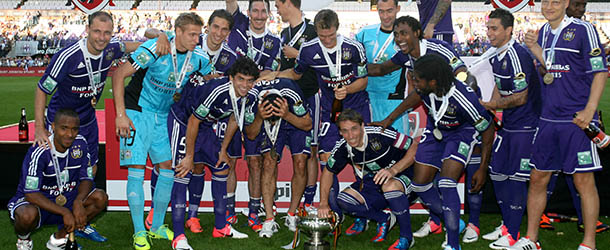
(316, 228)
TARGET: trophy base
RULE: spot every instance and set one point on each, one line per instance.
(316, 246)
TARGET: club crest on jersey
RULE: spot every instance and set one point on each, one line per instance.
(109, 55)
(347, 54)
(510, 5)
(504, 64)
(268, 44)
(91, 6)
(76, 153)
(224, 59)
(375, 144)
(450, 109)
(569, 35)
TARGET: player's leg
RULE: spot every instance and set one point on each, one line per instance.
(231, 186)
(585, 184)
(394, 191)
(195, 191)
(474, 200)
(329, 135)
(450, 173)
(545, 221)
(367, 203)
(26, 219)
(298, 142)
(154, 176)
(256, 196)
(268, 186)
(312, 161)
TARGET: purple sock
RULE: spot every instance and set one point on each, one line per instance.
(351, 206)
(516, 206)
(219, 192)
(500, 184)
(430, 197)
(451, 210)
(153, 183)
(310, 192)
(474, 199)
(254, 205)
(231, 203)
(195, 190)
(399, 203)
(179, 205)
(575, 196)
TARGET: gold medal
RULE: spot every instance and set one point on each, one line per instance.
(548, 78)
(93, 101)
(61, 200)
(437, 134)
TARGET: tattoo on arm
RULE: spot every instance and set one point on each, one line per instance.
(440, 11)
(512, 101)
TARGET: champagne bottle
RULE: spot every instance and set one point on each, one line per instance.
(71, 243)
(23, 127)
(597, 136)
(336, 108)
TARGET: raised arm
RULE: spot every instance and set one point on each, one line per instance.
(441, 9)
(381, 69)
(232, 6)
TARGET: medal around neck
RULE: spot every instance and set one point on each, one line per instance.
(437, 134)
(548, 78)
(61, 200)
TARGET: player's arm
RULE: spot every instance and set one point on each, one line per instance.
(514, 100)
(123, 123)
(163, 45)
(232, 6)
(268, 75)
(326, 181)
(479, 177)
(282, 110)
(264, 111)
(401, 142)
(78, 208)
(131, 46)
(584, 117)
(412, 100)
(531, 41)
(439, 13)
(41, 134)
(192, 129)
(381, 69)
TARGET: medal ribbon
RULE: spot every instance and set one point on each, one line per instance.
(210, 52)
(334, 69)
(60, 182)
(384, 47)
(252, 48)
(86, 56)
(359, 172)
(272, 131)
(179, 78)
(239, 114)
(299, 33)
(437, 115)
(548, 61)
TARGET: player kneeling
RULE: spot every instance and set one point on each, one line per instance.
(44, 197)
(380, 159)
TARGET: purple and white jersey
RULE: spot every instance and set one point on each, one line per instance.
(514, 72)
(430, 46)
(353, 67)
(38, 172)
(381, 149)
(67, 73)
(289, 90)
(214, 102)
(578, 56)
(264, 49)
(222, 59)
(426, 11)
(463, 109)
(189, 98)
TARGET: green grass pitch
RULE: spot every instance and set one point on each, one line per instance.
(18, 92)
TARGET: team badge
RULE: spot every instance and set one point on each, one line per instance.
(455, 63)
(373, 166)
(375, 144)
(503, 64)
(595, 52)
(49, 84)
(90, 172)
(584, 158)
(450, 110)
(189, 67)
(347, 54)
(463, 149)
(171, 77)
(268, 44)
(298, 108)
(109, 56)
(525, 165)
(597, 63)
(76, 153)
(91, 6)
(519, 81)
(481, 124)
(224, 60)
(511, 5)
(31, 183)
(569, 35)
(122, 46)
(202, 110)
(301, 40)
(362, 70)
(249, 117)
(143, 58)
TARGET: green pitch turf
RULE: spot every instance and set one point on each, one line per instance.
(18, 92)
(117, 227)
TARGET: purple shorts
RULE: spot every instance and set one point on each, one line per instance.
(372, 193)
(91, 133)
(297, 140)
(329, 132)
(234, 150)
(255, 147)
(563, 146)
(46, 217)
(177, 140)
(456, 145)
(314, 111)
(511, 153)
(207, 149)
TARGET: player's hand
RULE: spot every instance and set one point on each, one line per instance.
(265, 109)
(223, 157)
(583, 118)
(290, 52)
(429, 31)
(69, 221)
(123, 126)
(340, 93)
(478, 180)
(163, 45)
(324, 211)
(185, 166)
(41, 137)
(385, 123)
(282, 107)
(531, 38)
(80, 215)
(211, 76)
(383, 176)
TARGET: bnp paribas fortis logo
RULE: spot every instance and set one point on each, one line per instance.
(91, 6)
